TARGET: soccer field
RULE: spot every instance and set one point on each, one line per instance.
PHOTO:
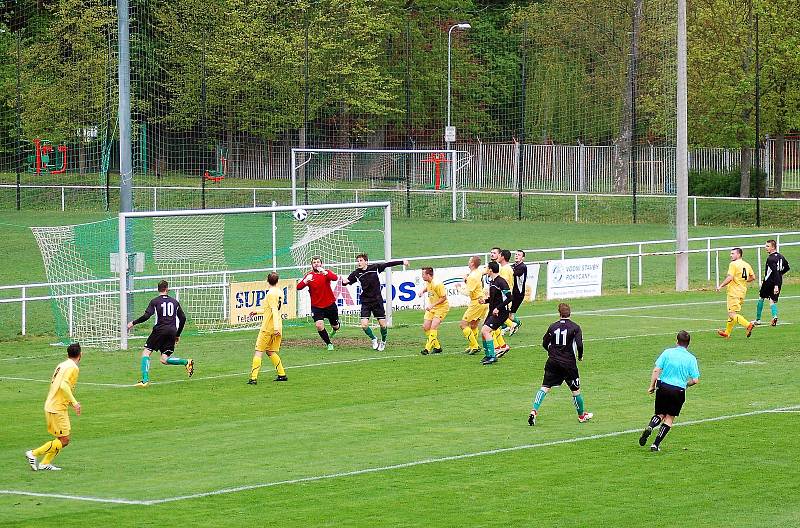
(360, 438)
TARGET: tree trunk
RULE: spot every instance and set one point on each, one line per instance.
(744, 171)
(624, 143)
(777, 167)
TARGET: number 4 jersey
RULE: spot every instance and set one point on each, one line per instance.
(563, 341)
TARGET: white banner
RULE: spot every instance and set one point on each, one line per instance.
(532, 282)
(572, 278)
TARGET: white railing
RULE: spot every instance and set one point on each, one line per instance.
(633, 259)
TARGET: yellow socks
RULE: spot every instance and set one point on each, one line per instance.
(499, 340)
(729, 326)
(742, 321)
(429, 343)
(434, 337)
(49, 450)
(276, 362)
(255, 368)
(469, 334)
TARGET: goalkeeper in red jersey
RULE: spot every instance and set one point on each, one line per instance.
(323, 303)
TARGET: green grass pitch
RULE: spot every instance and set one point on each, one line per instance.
(361, 438)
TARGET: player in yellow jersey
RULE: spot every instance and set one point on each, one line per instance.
(269, 337)
(59, 398)
(477, 308)
(435, 311)
(739, 274)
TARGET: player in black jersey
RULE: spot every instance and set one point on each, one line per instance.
(774, 269)
(368, 275)
(563, 342)
(166, 333)
(518, 291)
(498, 300)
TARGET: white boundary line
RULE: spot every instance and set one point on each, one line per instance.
(380, 469)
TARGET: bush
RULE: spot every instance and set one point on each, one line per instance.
(713, 183)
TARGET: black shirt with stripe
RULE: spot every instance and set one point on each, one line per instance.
(369, 279)
(775, 267)
(499, 297)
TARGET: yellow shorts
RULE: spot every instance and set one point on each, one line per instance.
(58, 423)
(735, 303)
(476, 312)
(268, 341)
(432, 314)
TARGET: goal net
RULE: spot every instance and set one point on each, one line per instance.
(215, 261)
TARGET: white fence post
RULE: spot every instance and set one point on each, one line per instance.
(225, 295)
(716, 267)
(62, 199)
(23, 309)
(708, 259)
(254, 198)
(69, 317)
(628, 272)
(576, 208)
(758, 252)
(640, 264)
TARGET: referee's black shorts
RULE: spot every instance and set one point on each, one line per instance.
(516, 301)
(669, 399)
(768, 291)
(331, 313)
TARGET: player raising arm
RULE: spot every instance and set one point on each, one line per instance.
(323, 303)
(368, 275)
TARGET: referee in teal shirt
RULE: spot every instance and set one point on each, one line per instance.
(675, 370)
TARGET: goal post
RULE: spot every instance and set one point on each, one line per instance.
(328, 174)
(207, 254)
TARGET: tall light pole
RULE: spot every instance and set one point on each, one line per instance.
(449, 133)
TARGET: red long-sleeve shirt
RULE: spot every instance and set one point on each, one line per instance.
(319, 287)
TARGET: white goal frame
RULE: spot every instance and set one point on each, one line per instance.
(123, 264)
(452, 156)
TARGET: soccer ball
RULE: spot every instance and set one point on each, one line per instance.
(300, 215)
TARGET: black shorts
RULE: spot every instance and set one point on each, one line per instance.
(159, 342)
(768, 292)
(331, 313)
(555, 373)
(516, 301)
(376, 309)
(494, 322)
(669, 399)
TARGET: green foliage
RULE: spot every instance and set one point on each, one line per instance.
(724, 183)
